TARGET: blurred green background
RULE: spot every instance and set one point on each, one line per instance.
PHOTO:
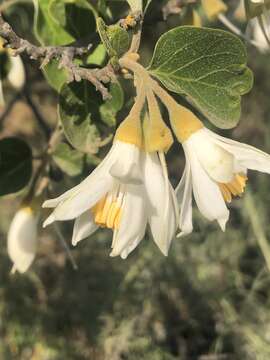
(208, 300)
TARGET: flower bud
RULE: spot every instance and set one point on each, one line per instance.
(22, 239)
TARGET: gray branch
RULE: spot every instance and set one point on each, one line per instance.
(64, 54)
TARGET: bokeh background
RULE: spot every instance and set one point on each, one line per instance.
(208, 300)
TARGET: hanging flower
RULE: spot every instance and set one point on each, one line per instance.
(16, 73)
(124, 193)
(216, 169)
(22, 239)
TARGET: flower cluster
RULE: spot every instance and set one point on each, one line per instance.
(130, 188)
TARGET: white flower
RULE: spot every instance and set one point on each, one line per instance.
(124, 193)
(22, 239)
(216, 170)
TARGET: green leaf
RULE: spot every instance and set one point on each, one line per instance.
(254, 10)
(109, 109)
(80, 114)
(119, 38)
(15, 165)
(77, 17)
(98, 56)
(68, 160)
(46, 29)
(56, 77)
(207, 65)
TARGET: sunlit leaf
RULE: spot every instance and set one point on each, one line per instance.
(48, 31)
(69, 161)
(208, 66)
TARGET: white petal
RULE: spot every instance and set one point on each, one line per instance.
(133, 221)
(246, 156)
(127, 250)
(82, 200)
(97, 174)
(216, 161)
(84, 226)
(258, 35)
(184, 197)
(22, 239)
(163, 229)
(126, 167)
(206, 192)
(16, 75)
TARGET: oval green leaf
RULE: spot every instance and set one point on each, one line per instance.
(82, 110)
(206, 65)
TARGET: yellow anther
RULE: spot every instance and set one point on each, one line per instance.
(107, 213)
(235, 187)
(113, 212)
(184, 122)
(97, 210)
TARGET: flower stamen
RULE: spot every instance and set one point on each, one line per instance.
(235, 187)
(108, 211)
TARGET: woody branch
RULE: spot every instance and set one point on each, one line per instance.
(64, 54)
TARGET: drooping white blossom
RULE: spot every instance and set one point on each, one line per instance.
(22, 239)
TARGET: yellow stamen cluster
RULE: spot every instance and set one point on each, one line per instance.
(235, 187)
(107, 213)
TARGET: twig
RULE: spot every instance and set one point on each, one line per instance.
(67, 249)
(136, 38)
(8, 108)
(64, 54)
